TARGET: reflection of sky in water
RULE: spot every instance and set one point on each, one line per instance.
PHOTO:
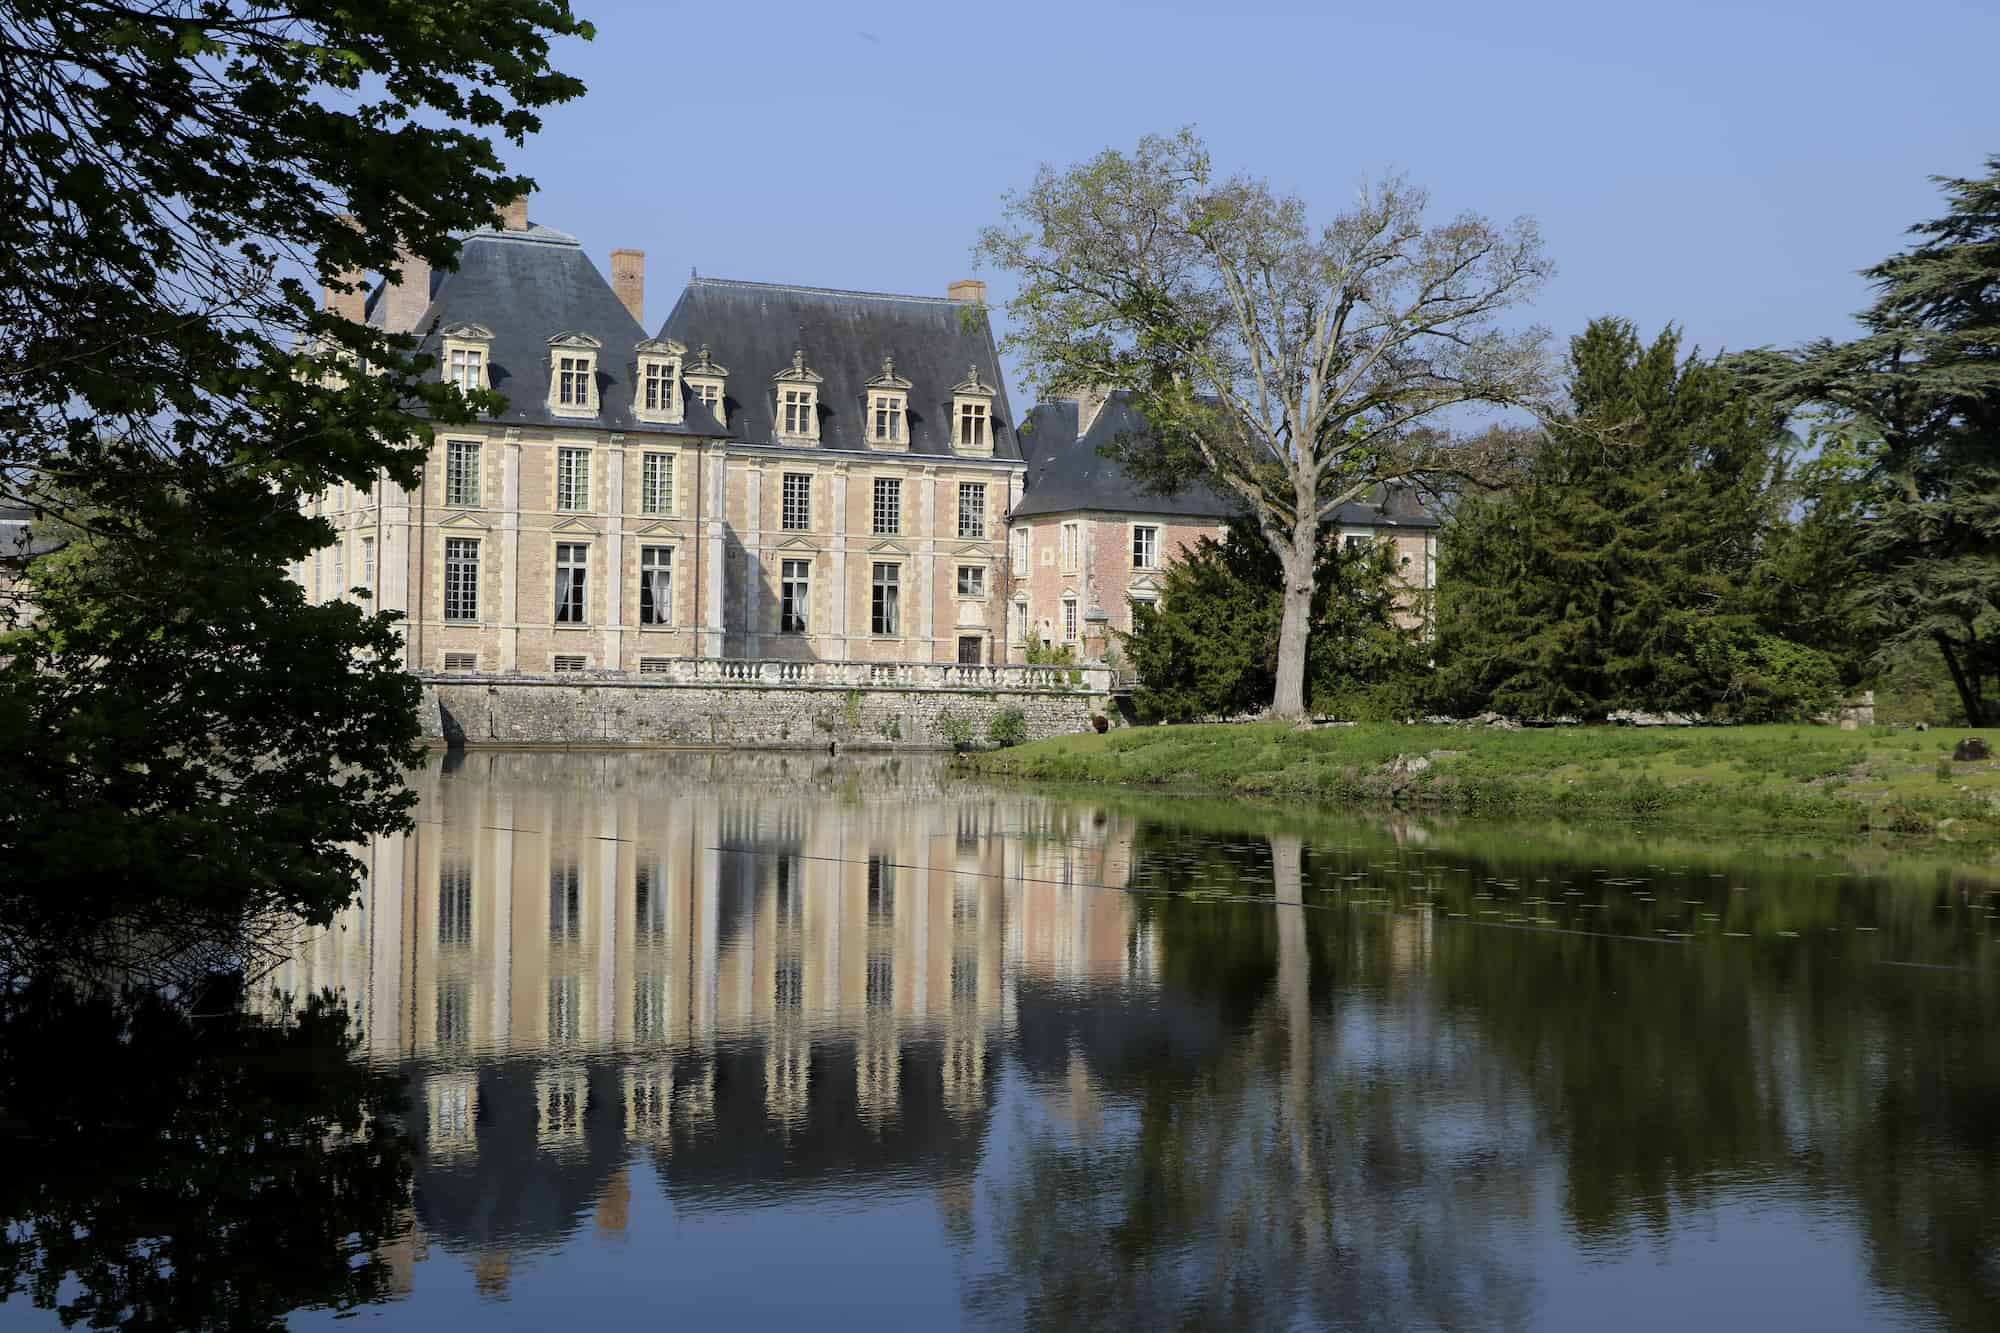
(772, 1039)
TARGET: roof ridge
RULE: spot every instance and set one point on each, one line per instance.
(750, 284)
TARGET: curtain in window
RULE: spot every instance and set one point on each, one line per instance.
(659, 586)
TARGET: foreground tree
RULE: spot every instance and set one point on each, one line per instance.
(1297, 367)
(1208, 648)
(1618, 573)
(1918, 395)
(183, 740)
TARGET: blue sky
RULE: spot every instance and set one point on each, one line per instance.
(1725, 167)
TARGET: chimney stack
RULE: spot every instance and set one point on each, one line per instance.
(513, 215)
(409, 298)
(1089, 401)
(628, 280)
(967, 289)
(349, 305)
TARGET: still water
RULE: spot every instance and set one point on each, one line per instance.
(777, 1041)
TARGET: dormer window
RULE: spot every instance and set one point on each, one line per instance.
(658, 394)
(705, 381)
(797, 387)
(972, 415)
(573, 375)
(464, 349)
(888, 408)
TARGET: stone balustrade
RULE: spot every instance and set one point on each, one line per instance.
(775, 672)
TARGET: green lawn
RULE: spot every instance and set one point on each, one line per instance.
(1771, 775)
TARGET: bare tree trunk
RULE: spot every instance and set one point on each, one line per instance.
(1289, 698)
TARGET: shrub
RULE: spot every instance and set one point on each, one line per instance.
(1008, 727)
(954, 730)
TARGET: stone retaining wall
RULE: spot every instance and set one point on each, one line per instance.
(516, 711)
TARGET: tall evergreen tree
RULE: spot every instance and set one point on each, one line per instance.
(1611, 576)
(1919, 393)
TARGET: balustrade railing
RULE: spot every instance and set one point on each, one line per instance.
(850, 675)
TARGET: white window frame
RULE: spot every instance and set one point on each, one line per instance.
(975, 425)
(892, 488)
(572, 575)
(795, 402)
(461, 579)
(455, 476)
(977, 511)
(795, 503)
(1072, 547)
(886, 412)
(1069, 620)
(656, 388)
(368, 563)
(572, 479)
(464, 354)
(795, 596)
(654, 559)
(573, 375)
(885, 615)
(1149, 534)
(658, 466)
(1020, 552)
(978, 573)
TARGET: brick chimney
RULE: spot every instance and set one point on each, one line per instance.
(350, 305)
(967, 289)
(628, 280)
(409, 298)
(1089, 402)
(513, 215)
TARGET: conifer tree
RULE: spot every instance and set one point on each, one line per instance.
(1919, 394)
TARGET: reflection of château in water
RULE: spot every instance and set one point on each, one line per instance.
(807, 989)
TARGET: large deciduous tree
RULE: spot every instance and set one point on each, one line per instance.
(1296, 366)
(1919, 394)
(183, 739)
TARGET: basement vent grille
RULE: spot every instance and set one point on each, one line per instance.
(567, 663)
(461, 661)
(652, 666)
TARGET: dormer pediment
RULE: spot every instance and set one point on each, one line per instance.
(888, 548)
(656, 530)
(466, 333)
(581, 342)
(798, 372)
(463, 520)
(660, 347)
(796, 543)
(705, 366)
(573, 525)
(970, 386)
(889, 379)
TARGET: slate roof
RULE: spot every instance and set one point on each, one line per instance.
(1067, 475)
(752, 329)
(527, 287)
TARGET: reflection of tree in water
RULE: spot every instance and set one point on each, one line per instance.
(1282, 1180)
(168, 1172)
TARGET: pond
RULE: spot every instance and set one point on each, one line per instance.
(777, 1040)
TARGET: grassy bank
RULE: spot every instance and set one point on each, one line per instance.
(1902, 781)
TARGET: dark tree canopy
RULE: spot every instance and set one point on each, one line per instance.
(1614, 575)
(1917, 398)
(183, 737)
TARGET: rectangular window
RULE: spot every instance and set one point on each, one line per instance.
(888, 506)
(1072, 547)
(1069, 620)
(972, 509)
(888, 590)
(339, 568)
(797, 515)
(970, 650)
(573, 381)
(656, 483)
(659, 387)
(1354, 541)
(1145, 547)
(368, 563)
(798, 411)
(465, 370)
(1132, 610)
(794, 596)
(888, 417)
(972, 424)
(972, 581)
(1020, 539)
(461, 578)
(710, 397)
(572, 565)
(656, 585)
(572, 479)
(461, 472)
